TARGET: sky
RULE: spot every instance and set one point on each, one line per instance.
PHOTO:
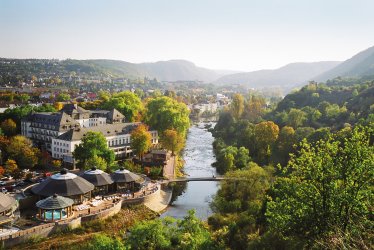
(240, 35)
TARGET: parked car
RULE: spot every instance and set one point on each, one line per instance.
(4, 190)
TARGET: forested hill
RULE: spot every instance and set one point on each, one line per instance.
(289, 76)
(362, 64)
(333, 105)
(173, 70)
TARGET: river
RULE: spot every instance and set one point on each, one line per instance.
(198, 156)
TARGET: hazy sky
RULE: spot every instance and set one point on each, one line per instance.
(219, 34)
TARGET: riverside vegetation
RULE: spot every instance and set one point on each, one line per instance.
(300, 175)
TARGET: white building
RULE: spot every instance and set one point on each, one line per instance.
(118, 137)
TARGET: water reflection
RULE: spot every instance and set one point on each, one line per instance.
(198, 156)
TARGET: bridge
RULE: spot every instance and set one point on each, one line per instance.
(188, 179)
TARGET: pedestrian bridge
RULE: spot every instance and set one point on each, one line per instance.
(188, 179)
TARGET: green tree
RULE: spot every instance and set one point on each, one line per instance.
(128, 103)
(63, 97)
(296, 118)
(265, 133)
(327, 187)
(104, 242)
(172, 141)
(93, 144)
(238, 205)
(141, 140)
(24, 97)
(164, 113)
(237, 106)
(96, 162)
(168, 234)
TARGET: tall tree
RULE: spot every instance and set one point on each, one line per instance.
(93, 143)
(327, 188)
(141, 140)
(20, 148)
(128, 103)
(265, 133)
(164, 113)
(172, 140)
(237, 106)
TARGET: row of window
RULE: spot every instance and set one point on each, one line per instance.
(60, 144)
(61, 150)
(118, 142)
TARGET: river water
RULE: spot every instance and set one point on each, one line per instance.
(198, 156)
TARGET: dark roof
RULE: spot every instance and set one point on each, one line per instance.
(55, 202)
(6, 202)
(97, 177)
(123, 175)
(114, 114)
(64, 184)
(106, 129)
(74, 109)
(59, 121)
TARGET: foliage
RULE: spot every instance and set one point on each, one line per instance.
(231, 158)
(11, 167)
(141, 140)
(238, 205)
(96, 162)
(266, 134)
(21, 149)
(327, 186)
(164, 113)
(63, 97)
(237, 106)
(172, 141)
(56, 163)
(9, 127)
(168, 233)
(126, 102)
(93, 143)
(104, 242)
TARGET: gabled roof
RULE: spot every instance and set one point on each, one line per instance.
(106, 129)
(73, 109)
(114, 114)
(57, 120)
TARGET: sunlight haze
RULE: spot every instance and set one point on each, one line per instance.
(216, 34)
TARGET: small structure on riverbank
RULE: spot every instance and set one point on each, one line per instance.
(99, 179)
(55, 208)
(125, 180)
(65, 184)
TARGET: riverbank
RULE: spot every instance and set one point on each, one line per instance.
(159, 201)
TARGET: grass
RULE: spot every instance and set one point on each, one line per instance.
(115, 226)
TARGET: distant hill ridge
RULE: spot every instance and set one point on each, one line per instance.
(289, 76)
(361, 64)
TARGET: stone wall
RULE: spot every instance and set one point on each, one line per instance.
(47, 229)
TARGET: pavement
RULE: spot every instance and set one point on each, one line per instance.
(159, 201)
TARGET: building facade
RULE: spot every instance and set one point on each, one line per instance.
(61, 132)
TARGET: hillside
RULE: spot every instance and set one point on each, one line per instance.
(289, 76)
(359, 65)
(173, 70)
